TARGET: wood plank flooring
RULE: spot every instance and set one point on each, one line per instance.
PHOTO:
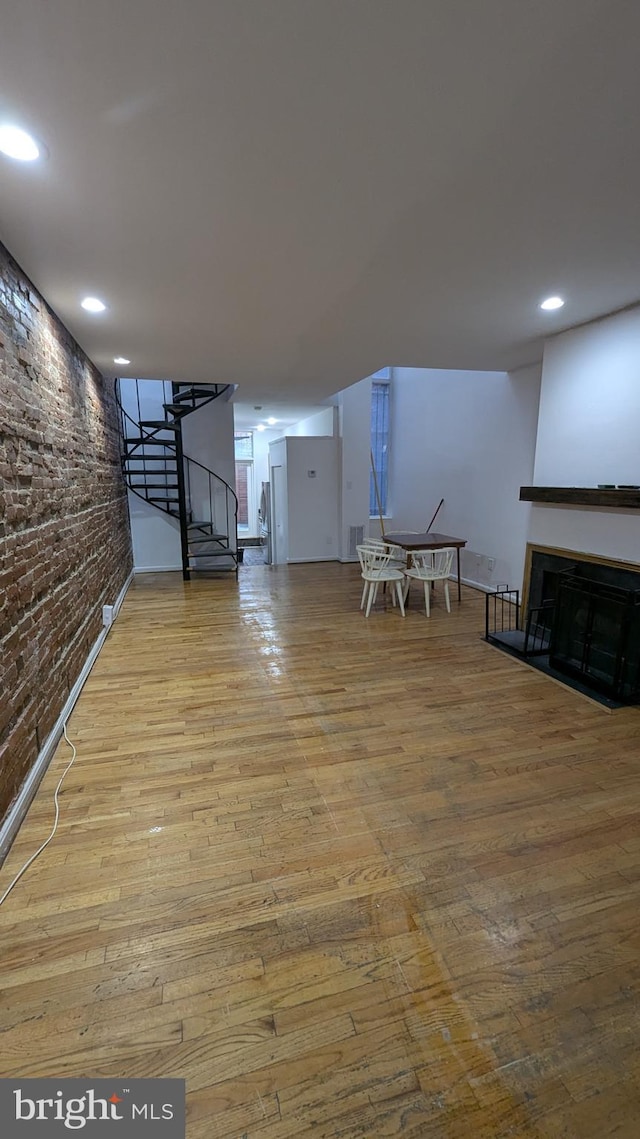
(347, 877)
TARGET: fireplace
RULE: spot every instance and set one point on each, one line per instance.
(595, 635)
(580, 621)
(543, 565)
(591, 611)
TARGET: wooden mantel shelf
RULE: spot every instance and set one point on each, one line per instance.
(581, 496)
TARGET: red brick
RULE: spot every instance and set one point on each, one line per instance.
(65, 548)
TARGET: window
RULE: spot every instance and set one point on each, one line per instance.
(380, 389)
(243, 444)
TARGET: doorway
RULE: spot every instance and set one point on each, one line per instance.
(279, 535)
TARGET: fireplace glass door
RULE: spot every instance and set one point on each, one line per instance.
(596, 635)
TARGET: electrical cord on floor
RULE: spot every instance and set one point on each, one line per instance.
(55, 824)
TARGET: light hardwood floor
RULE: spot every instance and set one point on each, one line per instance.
(347, 877)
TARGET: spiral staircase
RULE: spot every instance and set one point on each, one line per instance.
(156, 469)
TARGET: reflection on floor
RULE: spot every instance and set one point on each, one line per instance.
(347, 877)
(254, 556)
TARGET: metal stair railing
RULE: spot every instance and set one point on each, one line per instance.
(205, 538)
(155, 469)
(212, 527)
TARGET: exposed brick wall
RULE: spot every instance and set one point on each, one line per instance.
(65, 547)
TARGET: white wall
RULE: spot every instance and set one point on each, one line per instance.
(321, 423)
(311, 499)
(589, 433)
(354, 408)
(467, 437)
(279, 501)
(607, 533)
(589, 427)
(155, 537)
(261, 441)
(207, 437)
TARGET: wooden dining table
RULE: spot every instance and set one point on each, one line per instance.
(427, 541)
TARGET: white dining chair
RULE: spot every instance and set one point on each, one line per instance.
(398, 556)
(429, 566)
(375, 565)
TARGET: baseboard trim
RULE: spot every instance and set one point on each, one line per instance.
(479, 585)
(16, 813)
(308, 561)
(117, 605)
(156, 569)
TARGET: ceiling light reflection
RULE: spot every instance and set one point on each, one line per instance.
(16, 143)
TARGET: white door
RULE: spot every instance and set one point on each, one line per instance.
(279, 515)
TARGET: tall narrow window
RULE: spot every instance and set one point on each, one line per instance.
(379, 444)
(243, 441)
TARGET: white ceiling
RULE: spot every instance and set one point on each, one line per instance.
(291, 194)
(247, 416)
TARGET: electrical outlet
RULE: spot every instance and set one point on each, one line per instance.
(491, 564)
(107, 616)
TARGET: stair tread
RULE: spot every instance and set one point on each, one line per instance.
(207, 538)
(139, 439)
(159, 424)
(197, 393)
(221, 553)
(153, 485)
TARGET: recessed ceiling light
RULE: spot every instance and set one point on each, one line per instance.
(271, 421)
(16, 143)
(261, 427)
(552, 303)
(92, 304)
(121, 360)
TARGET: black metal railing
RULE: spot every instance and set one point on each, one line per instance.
(503, 624)
(149, 463)
(212, 522)
(156, 469)
(502, 613)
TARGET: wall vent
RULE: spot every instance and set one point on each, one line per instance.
(356, 537)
